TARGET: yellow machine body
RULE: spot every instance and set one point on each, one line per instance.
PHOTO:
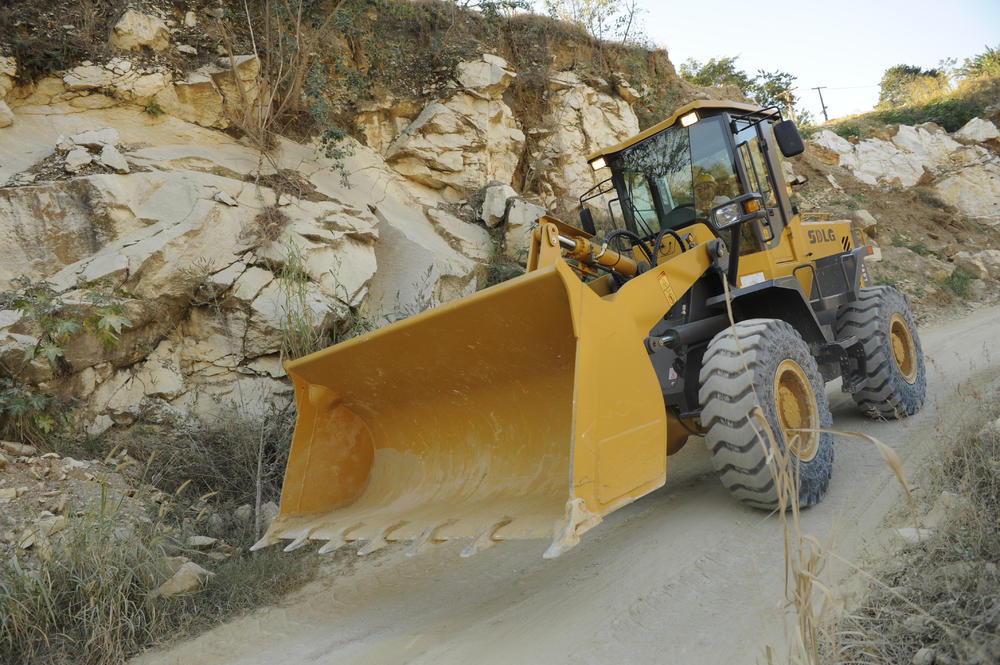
(527, 410)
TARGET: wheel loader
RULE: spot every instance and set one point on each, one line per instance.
(534, 408)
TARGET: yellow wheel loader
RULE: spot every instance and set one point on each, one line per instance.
(534, 408)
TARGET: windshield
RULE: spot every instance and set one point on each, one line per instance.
(676, 176)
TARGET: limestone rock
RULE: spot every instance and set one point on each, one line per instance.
(830, 148)
(521, 217)
(490, 75)
(187, 49)
(96, 139)
(201, 542)
(456, 145)
(929, 142)
(6, 115)
(244, 513)
(113, 159)
(188, 579)
(624, 89)
(990, 258)
(87, 77)
(190, 19)
(223, 197)
(912, 535)
(76, 159)
(211, 95)
(971, 265)
(136, 30)
(978, 130)
(268, 512)
(494, 206)
(974, 191)
(469, 239)
(583, 120)
(865, 222)
(8, 71)
(924, 656)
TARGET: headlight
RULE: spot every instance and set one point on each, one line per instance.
(726, 215)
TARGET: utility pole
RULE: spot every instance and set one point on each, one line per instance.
(820, 91)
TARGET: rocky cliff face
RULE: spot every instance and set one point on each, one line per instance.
(221, 252)
(118, 174)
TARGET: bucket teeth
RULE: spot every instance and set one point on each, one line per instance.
(299, 541)
(486, 539)
(339, 540)
(426, 539)
(379, 541)
(266, 541)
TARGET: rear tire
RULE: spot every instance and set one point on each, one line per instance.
(896, 381)
(784, 381)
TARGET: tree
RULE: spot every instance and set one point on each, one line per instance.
(986, 64)
(907, 84)
(602, 19)
(715, 73)
(765, 88)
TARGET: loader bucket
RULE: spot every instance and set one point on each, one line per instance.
(527, 410)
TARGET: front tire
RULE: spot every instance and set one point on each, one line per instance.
(896, 380)
(780, 377)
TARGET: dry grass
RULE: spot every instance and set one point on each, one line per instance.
(941, 595)
(86, 594)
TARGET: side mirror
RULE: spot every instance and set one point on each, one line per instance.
(788, 138)
(587, 221)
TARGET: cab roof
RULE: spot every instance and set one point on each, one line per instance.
(712, 104)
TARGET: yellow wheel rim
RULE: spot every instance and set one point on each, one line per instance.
(796, 407)
(903, 348)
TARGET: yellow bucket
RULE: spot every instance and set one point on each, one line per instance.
(526, 410)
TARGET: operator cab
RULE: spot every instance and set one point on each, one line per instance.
(684, 170)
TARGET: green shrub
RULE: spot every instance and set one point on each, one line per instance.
(960, 282)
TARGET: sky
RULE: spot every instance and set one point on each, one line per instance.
(845, 45)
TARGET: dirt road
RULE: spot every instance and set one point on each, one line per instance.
(684, 575)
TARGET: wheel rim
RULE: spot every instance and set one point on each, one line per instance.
(903, 349)
(797, 410)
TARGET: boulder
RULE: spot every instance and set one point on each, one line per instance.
(211, 96)
(96, 139)
(76, 159)
(831, 149)
(135, 31)
(494, 206)
(978, 130)
(990, 258)
(521, 217)
(971, 265)
(490, 75)
(6, 115)
(974, 190)
(113, 159)
(188, 579)
(865, 222)
(244, 513)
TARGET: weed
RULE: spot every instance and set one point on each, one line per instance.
(154, 109)
(886, 281)
(269, 223)
(960, 282)
(90, 595)
(299, 328)
(943, 593)
(930, 197)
